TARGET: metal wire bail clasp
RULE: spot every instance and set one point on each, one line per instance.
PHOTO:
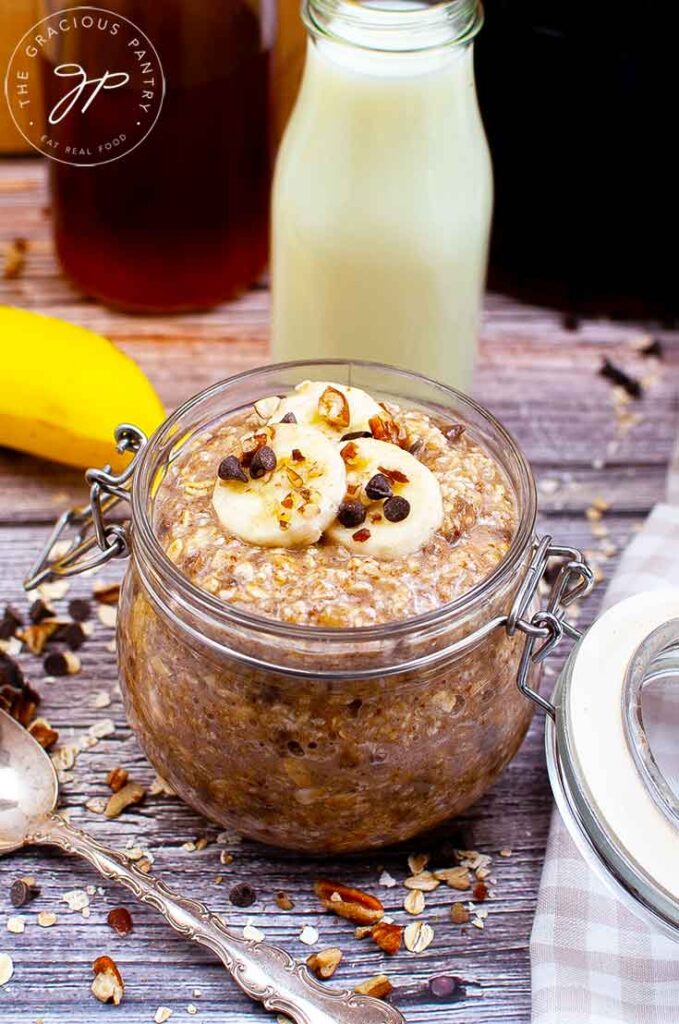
(548, 626)
(85, 528)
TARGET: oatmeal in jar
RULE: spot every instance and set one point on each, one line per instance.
(327, 508)
(311, 636)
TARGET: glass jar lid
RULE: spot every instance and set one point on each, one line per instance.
(613, 752)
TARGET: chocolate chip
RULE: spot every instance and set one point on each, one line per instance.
(355, 434)
(243, 895)
(396, 509)
(621, 379)
(654, 348)
(70, 633)
(263, 461)
(58, 664)
(378, 487)
(289, 418)
(351, 513)
(79, 609)
(231, 469)
(10, 673)
(40, 610)
(570, 322)
(21, 893)
(11, 621)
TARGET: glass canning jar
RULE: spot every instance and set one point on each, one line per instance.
(313, 738)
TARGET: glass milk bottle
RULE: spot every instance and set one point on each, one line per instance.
(383, 190)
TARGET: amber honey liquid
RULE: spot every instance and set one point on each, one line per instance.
(181, 222)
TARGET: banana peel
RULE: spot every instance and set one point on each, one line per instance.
(64, 390)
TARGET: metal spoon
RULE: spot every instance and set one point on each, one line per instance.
(28, 797)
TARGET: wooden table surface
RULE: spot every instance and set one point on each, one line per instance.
(542, 381)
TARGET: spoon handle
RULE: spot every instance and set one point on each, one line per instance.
(265, 973)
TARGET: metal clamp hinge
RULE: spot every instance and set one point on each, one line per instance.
(548, 626)
(92, 541)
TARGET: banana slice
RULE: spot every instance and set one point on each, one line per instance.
(289, 493)
(393, 504)
(334, 409)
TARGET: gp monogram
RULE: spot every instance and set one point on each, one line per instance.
(100, 80)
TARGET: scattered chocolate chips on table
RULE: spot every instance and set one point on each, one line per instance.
(39, 610)
(243, 895)
(61, 664)
(79, 609)
(11, 621)
(653, 349)
(621, 379)
(22, 892)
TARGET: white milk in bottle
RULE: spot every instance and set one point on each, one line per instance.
(383, 191)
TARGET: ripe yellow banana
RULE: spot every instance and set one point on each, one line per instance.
(64, 389)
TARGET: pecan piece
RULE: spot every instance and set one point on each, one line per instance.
(131, 793)
(352, 904)
(120, 920)
(42, 731)
(117, 778)
(108, 984)
(333, 406)
(378, 987)
(324, 963)
(388, 937)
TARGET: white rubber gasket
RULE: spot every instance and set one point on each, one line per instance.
(595, 711)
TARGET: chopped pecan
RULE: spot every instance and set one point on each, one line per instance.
(333, 407)
(43, 732)
(378, 987)
(120, 920)
(352, 904)
(36, 635)
(325, 962)
(283, 901)
(131, 793)
(108, 984)
(394, 475)
(384, 428)
(117, 778)
(388, 937)
(106, 593)
(459, 913)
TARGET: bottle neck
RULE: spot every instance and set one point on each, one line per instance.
(394, 26)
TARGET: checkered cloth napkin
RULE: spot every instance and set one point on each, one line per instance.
(592, 960)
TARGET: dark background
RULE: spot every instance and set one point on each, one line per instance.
(580, 106)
